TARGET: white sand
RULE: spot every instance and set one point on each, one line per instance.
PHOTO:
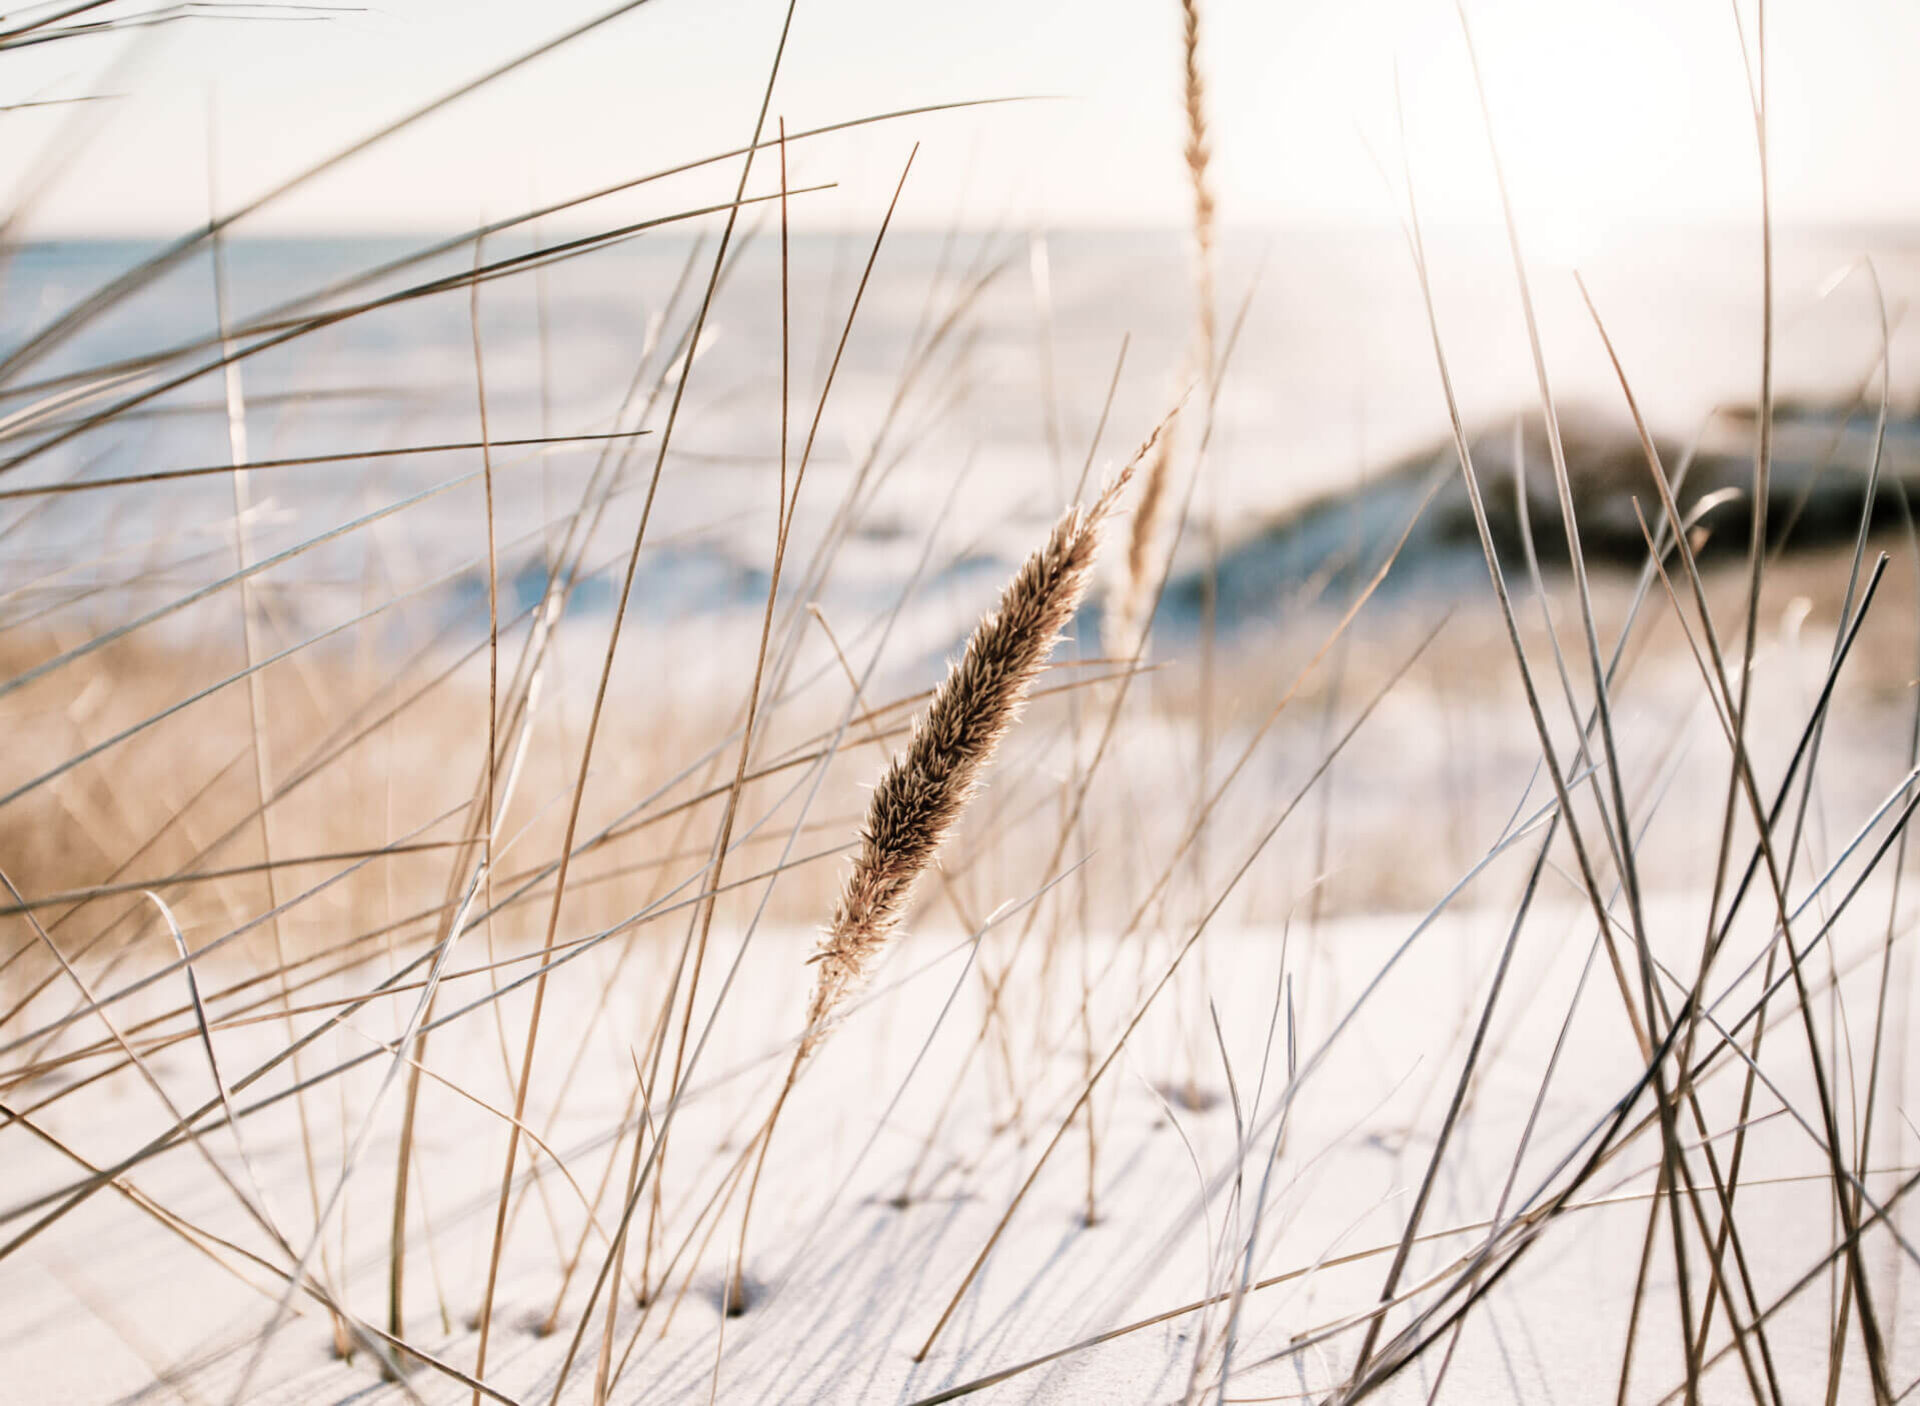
(106, 1305)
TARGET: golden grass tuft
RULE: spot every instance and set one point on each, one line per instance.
(926, 788)
(1127, 603)
(1127, 606)
(1199, 154)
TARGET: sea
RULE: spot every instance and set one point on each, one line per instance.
(928, 399)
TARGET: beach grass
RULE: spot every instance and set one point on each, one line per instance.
(420, 905)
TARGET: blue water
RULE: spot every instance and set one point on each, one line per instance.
(1331, 373)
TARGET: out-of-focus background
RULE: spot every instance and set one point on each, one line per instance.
(435, 515)
(1028, 317)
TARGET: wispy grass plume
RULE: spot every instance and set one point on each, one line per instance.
(1127, 610)
(926, 789)
(1199, 155)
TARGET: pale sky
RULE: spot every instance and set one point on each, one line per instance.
(1610, 115)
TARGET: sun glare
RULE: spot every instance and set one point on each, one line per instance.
(831, 701)
(1598, 114)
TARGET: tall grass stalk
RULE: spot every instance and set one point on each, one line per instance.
(923, 794)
